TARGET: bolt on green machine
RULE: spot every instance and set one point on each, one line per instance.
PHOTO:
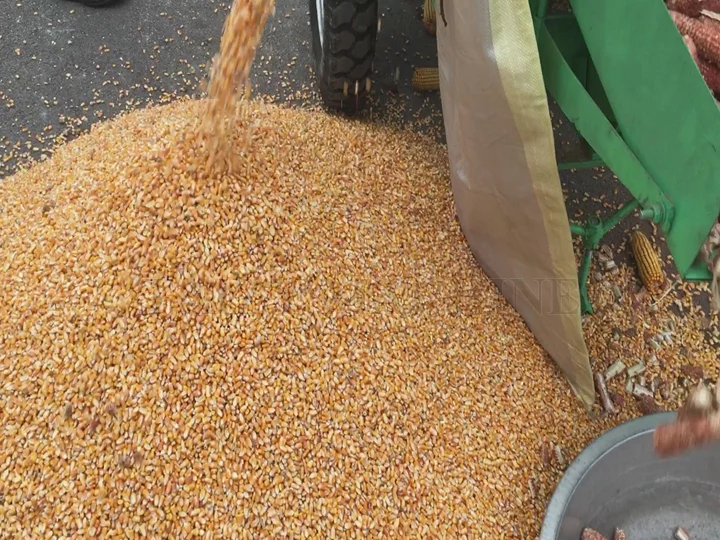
(622, 74)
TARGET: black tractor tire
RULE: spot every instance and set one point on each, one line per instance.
(344, 34)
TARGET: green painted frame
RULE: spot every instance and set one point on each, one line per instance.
(608, 93)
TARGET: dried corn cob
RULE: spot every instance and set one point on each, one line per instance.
(648, 262)
(602, 391)
(706, 39)
(711, 23)
(429, 16)
(711, 5)
(691, 48)
(689, 431)
(710, 72)
(710, 254)
(426, 79)
(691, 8)
(591, 534)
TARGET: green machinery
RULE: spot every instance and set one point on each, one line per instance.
(620, 71)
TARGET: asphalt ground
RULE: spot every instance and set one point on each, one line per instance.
(66, 66)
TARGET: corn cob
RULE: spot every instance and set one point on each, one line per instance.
(691, 8)
(691, 48)
(429, 16)
(710, 72)
(712, 23)
(426, 79)
(648, 262)
(711, 5)
(591, 534)
(706, 39)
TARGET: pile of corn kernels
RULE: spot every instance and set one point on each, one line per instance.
(300, 344)
(304, 348)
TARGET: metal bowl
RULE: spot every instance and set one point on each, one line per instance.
(617, 481)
